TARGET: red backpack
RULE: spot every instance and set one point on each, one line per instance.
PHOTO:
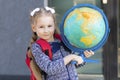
(45, 48)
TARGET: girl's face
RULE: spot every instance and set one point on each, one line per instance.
(45, 28)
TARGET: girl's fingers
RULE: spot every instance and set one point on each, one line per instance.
(92, 53)
(88, 53)
(79, 60)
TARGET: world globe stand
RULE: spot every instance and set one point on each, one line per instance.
(74, 19)
(85, 60)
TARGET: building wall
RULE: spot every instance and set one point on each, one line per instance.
(15, 34)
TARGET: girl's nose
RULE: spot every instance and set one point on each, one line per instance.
(45, 29)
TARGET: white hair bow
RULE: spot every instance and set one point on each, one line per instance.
(37, 9)
(52, 10)
(34, 11)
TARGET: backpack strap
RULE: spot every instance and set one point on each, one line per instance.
(28, 60)
(46, 48)
(58, 36)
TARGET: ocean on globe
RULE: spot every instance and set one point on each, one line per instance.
(84, 27)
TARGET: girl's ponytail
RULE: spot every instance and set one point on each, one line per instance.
(33, 39)
(36, 72)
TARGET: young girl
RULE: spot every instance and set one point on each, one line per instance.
(43, 25)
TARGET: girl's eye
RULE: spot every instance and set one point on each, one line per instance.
(40, 26)
(49, 25)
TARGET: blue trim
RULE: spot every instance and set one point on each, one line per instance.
(100, 44)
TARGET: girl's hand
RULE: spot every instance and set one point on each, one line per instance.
(72, 57)
(88, 53)
(78, 59)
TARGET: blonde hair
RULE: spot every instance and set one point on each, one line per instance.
(42, 12)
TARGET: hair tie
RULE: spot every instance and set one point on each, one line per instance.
(51, 9)
(34, 11)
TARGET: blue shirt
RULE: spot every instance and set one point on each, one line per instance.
(55, 68)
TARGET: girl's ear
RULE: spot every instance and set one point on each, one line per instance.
(33, 28)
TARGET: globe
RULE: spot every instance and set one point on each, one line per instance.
(84, 27)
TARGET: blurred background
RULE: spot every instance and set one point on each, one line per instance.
(15, 34)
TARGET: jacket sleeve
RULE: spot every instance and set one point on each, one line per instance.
(45, 64)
